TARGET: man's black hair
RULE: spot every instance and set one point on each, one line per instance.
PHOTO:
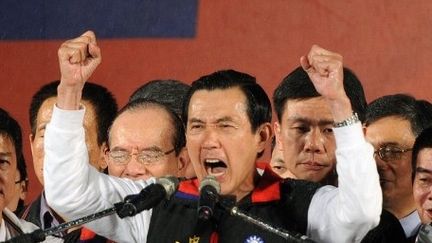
(102, 100)
(169, 92)
(257, 101)
(423, 141)
(416, 112)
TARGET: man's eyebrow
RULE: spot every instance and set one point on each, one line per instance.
(153, 148)
(321, 122)
(5, 154)
(325, 122)
(423, 170)
(41, 127)
(195, 120)
(224, 119)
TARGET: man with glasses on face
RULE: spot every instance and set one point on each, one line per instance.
(227, 116)
(138, 151)
(392, 124)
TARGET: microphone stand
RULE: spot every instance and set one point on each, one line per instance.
(297, 237)
(162, 188)
(290, 236)
(80, 221)
(40, 235)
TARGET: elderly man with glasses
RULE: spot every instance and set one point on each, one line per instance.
(392, 124)
(138, 151)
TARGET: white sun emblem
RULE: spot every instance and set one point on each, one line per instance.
(254, 239)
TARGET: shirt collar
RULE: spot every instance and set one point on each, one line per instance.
(411, 224)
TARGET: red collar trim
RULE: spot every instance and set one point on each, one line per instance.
(268, 187)
(189, 187)
(87, 234)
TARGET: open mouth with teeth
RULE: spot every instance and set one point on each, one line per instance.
(215, 167)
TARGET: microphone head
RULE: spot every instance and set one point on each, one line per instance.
(210, 181)
(169, 183)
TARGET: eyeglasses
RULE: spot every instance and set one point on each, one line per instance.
(389, 153)
(146, 157)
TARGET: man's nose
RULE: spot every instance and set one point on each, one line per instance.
(314, 142)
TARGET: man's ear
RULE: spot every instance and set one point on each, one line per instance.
(24, 186)
(265, 134)
(277, 132)
(185, 166)
(183, 159)
(31, 138)
(102, 162)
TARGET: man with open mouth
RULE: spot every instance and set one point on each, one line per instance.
(227, 116)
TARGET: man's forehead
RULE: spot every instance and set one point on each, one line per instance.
(232, 92)
(307, 102)
(6, 144)
(209, 101)
(146, 122)
(424, 158)
(312, 110)
(46, 109)
(390, 130)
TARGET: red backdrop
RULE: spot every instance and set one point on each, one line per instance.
(387, 43)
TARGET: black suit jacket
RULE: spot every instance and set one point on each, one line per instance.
(32, 214)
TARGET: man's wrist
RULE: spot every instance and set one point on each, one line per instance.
(69, 97)
(348, 121)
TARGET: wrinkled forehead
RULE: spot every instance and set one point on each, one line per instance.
(424, 159)
(6, 141)
(142, 125)
(7, 146)
(214, 104)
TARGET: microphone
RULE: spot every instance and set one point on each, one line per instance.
(209, 195)
(425, 234)
(149, 197)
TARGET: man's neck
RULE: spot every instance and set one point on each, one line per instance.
(248, 186)
(402, 208)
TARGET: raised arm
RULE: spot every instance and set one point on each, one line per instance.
(346, 213)
(73, 187)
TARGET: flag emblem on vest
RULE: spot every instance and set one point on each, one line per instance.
(194, 239)
(254, 239)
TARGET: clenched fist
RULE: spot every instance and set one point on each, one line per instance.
(78, 59)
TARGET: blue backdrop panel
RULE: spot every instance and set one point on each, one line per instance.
(58, 19)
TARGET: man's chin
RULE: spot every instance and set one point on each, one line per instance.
(313, 176)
